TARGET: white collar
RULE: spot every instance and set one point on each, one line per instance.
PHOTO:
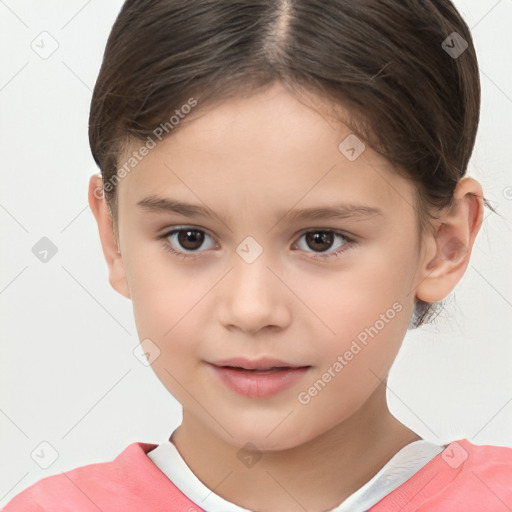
(404, 464)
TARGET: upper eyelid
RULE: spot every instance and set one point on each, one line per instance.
(169, 231)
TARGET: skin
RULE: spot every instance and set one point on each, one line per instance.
(248, 159)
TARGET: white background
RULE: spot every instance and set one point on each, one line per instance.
(68, 374)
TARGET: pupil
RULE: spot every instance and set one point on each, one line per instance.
(190, 239)
(324, 238)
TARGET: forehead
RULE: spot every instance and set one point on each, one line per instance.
(267, 151)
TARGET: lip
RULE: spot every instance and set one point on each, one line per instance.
(260, 363)
(258, 378)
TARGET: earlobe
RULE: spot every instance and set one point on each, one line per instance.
(452, 243)
(109, 244)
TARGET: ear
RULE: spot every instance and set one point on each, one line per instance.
(101, 211)
(449, 248)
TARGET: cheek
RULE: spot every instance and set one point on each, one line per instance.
(365, 311)
(160, 303)
(160, 292)
(357, 358)
(357, 298)
(368, 334)
(165, 306)
(169, 304)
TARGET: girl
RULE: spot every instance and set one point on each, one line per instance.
(283, 195)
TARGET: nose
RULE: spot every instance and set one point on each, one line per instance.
(254, 298)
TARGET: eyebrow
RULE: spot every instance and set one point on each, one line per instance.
(341, 211)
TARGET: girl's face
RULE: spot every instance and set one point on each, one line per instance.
(250, 285)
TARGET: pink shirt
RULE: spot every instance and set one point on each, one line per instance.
(463, 477)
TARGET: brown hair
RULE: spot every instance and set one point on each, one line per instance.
(388, 62)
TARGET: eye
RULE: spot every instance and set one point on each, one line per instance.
(185, 242)
(323, 239)
(180, 240)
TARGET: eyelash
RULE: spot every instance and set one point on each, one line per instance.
(349, 243)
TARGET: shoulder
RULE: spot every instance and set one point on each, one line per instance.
(129, 482)
(478, 477)
(490, 463)
(464, 476)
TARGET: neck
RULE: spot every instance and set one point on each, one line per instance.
(295, 479)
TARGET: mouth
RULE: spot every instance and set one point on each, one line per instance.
(257, 371)
(260, 364)
(261, 378)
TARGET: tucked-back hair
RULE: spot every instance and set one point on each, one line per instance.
(391, 64)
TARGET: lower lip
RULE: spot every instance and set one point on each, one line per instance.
(259, 385)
